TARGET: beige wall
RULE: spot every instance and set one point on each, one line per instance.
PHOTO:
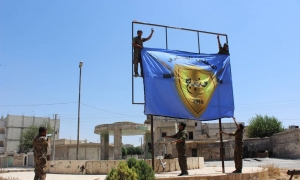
(104, 166)
(86, 151)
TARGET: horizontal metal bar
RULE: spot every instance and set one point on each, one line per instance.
(137, 103)
(171, 27)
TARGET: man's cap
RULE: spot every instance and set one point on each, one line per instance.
(139, 31)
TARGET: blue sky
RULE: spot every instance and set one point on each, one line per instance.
(42, 43)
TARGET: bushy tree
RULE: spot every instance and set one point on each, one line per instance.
(26, 142)
(130, 150)
(264, 126)
(123, 172)
(134, 150)
(138, 150)
(124, 151)
(141, 169)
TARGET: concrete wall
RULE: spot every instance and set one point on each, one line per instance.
(252, 145)
(19, 160)
(104, 166)
(286, 144)
(86, 151)
(15, 125)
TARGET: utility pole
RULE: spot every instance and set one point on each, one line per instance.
(80, 66)
(53, 156)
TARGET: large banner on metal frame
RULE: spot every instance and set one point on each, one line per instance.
(187, 85)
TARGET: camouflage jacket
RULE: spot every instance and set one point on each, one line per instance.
(238, 134)
(40, 147)
(183, 136)
(139, 41)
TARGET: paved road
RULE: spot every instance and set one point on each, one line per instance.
(257, 162)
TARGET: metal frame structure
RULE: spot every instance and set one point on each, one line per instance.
(222, 152)
(166, 34)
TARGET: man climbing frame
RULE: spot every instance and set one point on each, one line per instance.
(239, 145)
(224, 49)
(137, 44)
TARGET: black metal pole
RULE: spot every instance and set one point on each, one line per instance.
(78, 127)
(198, 42)
(221, 148)
(132, 81)
(226, 39)
(152, 141)
(166, 38)
(171, 27)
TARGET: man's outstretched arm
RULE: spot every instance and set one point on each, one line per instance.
(150, 36)
(173, 136)
(235, 121)
(219, 43)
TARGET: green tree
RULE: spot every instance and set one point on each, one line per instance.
(138, 150)
(124, 151)
(132, 169)
(123, 172)
(264, 126)
(26, 142)
(130, 150)
(142, 169)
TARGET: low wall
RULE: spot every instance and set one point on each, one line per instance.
(18, 160)
(104, 166)
(287, 144)
(252, 145)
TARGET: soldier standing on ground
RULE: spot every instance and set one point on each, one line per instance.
(239, 145)
(137, 44)
(224, 49)
(181, 148)
(40, 147)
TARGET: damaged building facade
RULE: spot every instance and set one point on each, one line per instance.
(204, 140)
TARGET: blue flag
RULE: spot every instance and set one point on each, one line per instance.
(187, 85)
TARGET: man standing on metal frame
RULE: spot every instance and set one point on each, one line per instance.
(239, 145)
(137, 44)
(224, 49)
(181, 147)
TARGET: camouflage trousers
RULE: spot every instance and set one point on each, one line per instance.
(238, 157)
(182, 160)
(40, 171)
(136, 60)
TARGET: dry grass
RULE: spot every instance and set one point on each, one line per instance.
(274, 173)
(10, 178)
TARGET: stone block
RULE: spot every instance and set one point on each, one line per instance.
(230, 176)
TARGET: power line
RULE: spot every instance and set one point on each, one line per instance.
(106, 110)
(39, 104)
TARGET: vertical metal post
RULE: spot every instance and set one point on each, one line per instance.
(80, 66)
(226, 39)
(198, 42)
(152, 141)
(166, 37)
(53, 155)
(221, 146)
(132, 81)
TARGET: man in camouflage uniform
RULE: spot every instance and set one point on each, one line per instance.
(224, 49)
(40, 146)
(239, 145)
(137, 43)
(181, 148)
